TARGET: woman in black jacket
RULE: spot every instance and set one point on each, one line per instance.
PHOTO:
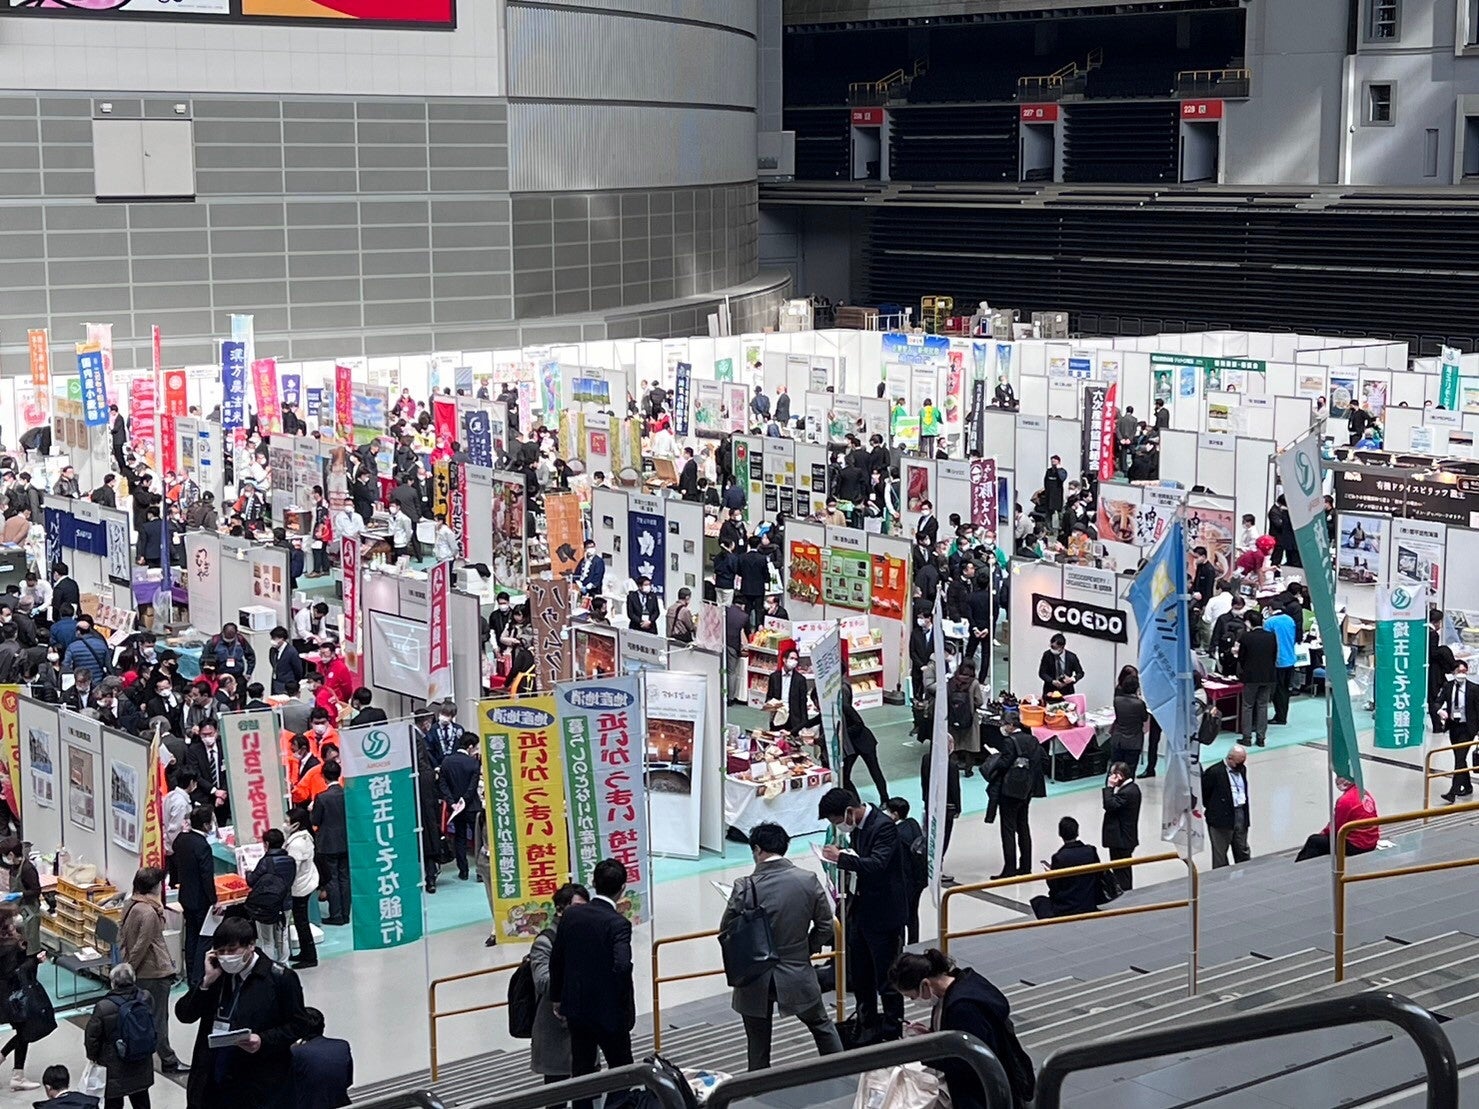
(127, 1078)
(16, 859)
(18, 973)
(966, 1002)
(1127, 733)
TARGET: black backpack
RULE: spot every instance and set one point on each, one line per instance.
(1232, 630)
(265, 903)
(959, 711)
(136, 1038)
(1210, 726)
(523, 1001)
(1016, 783)
(1015, 1061)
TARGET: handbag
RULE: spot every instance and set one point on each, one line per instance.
(94, 1080)
(910, 1086)
(747, 943)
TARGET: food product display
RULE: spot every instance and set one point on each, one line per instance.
(772, 762)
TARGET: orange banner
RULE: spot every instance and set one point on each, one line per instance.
(566, 531)
(151, 838)
(10, 743)
(891, 587)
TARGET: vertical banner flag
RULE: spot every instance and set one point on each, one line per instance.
(601, 743)
(94, 387)
(549, 605)
(826, 668)
(647, 558)
(438, 589)
(156, 348)
(1158, 596)
(254, 772)
(38, 341)
(233, 385)
(1304, 489)
(977, 430)
(100, 335)
(983, 494)
(1107, 434)
(292, 389)
(478, 429)
(1092, 440)
(380, 811)
(175, 405)
(681, 390)
(1401, 664)
(1449, 382)
(343, 404)
(349, 564)
(936, 801)
(142, 416)
(264, 385)
(151, 838)
(458, 520)
(10, 744)
(444, 424)
(244, 331)
(525, 785)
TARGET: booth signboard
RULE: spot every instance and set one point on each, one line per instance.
(349, 624)
(1095, 400)
(983, 494)
(1440, 497)
(549, 605)
(1401, 665)
(826, 669)
(1079, 618)
(846, 579)
(647, 542)
(254, 772)
(343, 403)
(1089, 579)
(380, 807)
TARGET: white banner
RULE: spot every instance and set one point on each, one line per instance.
(203, 579)
(675, 751)
(254, 772)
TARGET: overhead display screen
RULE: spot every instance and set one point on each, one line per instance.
(410, 14)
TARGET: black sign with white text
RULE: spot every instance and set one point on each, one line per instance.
(1079, 618)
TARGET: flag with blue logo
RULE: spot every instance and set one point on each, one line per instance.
(1159, 599)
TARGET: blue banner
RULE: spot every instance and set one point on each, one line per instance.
(680, 398)
(315, 402)
(647, 556)
(478, 435)
(292, 388)
(94, 388)
(233, 385)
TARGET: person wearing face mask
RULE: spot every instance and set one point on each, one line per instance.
(401, 532)
(331, 843)
(25, 881)
(339, 683)
(1459, 713)
(118, 711)
(1059, 669)
(445, 736)
(921, 649)
(195, 882)
(501, 617)
(46, 685)
(243, 990)
(785, 692)
(287, 665)
(590, 575)
(643, 607)
(82, 695)
(198, 708)
(232, 653)
(141, 945)
(965, 1001)
(203, 756)
(878, 909)
(311, 780)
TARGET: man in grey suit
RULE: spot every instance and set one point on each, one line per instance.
(801, 925)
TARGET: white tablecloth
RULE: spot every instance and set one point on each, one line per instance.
(795, 810)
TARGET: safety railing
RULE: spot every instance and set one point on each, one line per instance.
(588, 1087)
(1342, 879)
(1430, 775)
(1188, 902)
(408, 1099)
(835, 956)
(882, 90)
(433, 1014)
(1437, 1052)
(1236, 82)
(917, 1049)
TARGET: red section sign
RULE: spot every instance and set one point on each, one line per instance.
(1201, 109)
(1107, 434)
(867, 117)
(1039, 113)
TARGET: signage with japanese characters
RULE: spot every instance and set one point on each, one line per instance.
(380, 813)
(439, 589)
(94, 387)
(601, 729)
(1401, 665)
(254, 771)
(524, 781)
(233, 385)
(549, 607)
(1440, 497)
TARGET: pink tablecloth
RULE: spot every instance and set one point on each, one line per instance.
(1075, 740)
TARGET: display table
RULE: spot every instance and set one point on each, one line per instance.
(1065, 746)
(1222, 694)
(790, 784)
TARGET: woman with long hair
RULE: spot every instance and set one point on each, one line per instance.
(33, 1018)
(962, 715)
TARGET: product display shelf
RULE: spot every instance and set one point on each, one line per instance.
(865, 669)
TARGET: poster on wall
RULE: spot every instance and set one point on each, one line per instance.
(710, 416)
(42, 747)
(1359, 545)
(601, 727)
(123, 805)
(804, 581)
(847, 578)
(647, 545)
(890, 587)
(1162, 385)
(1212, 528)
(1374, 393)
(675, 759)
(82, 799)
(1342, 395)
(1117, 518)
(916, 487)
(593, 652)
(1417, 554)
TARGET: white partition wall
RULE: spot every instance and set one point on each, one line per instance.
(42, 772)
(1179, 451)
(609, 530)
(1065, 440)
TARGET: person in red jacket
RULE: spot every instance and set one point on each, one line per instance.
(339, 683)
(1353, 804)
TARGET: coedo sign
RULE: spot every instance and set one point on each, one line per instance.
(1079, 618)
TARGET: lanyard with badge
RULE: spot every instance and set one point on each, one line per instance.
(222, 1033)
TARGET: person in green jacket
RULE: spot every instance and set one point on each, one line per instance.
(929, 428)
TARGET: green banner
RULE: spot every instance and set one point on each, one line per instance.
(384, 849)
(1210, 365)
(1401, 665)
(1448, 384)
(1301, 474)
(724, 369)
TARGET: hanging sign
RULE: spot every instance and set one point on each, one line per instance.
(439, 588)
(233, 385)
(1107, 434)
(983, 494)
(1079, 618)
(94, 387)
(1094, 418)
(681, 390)
(380, 813)
(264, 385)
(343, 403)
(349, 563)
(38, 342)
(1448, 384)
(1401, 665)
(549, 606)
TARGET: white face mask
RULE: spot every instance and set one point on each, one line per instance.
(232, 964)
(445, 719)
(1458, 677)
(320, 729)
(847, 827)
(790, 664)
(52, 656)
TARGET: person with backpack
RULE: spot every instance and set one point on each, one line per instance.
(88, 651)
(549, 1047)
(23, 1001)
(141, 946)
(916, 847)
(120, 1037)
(965, 1001)
(1019, 776)
(1227, 629)
(1127, 733)
(271, 896)
(963, 700)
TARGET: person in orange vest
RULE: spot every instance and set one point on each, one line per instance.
(312, 782)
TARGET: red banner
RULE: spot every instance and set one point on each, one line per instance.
(344, 404)
(142, 409)
(157, 341)
(439, 678)
(983, 494)
(444, 421)
(176, 404)
(1107, 442)
(349, 564)
(459, 509)
(269, 407)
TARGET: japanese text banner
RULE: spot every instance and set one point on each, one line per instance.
(384, 850)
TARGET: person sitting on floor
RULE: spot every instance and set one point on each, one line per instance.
(1354, 803)
(1069, 896)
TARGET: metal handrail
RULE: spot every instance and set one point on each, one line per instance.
(1213, 74)
(1190, 902)
(1307, 1016)
(408, 1099)
(835, 956)
(589, 1086)
(1342, 879)
(916, 1049)
(433, 1014)
(1429, 774)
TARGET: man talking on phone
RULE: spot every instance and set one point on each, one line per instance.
(250, 1012)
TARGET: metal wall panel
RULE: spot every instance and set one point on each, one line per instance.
(738, 14)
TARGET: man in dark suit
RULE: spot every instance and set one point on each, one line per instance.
(64, 591)
(331, 844)
(1225, 801)
(1059, 669)
(754, 575)
(643, 607)
(1203, 585)
(203, 755)
(591, 572)
(878, 908)
(688, 476)
(1440, 665)
(195, 880)
(118, 433)
(927, 531)
(1460, 713)
(1121, 833)
(1021, 775)
(590, 976)
(287, 665)
(323, 1067)
(1053, 482)
(365, 711)
(1258, 667)
(461, 772)
(1069, 896)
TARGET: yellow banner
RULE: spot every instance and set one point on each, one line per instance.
(441, 487)
(10, 740)
(151, 842)
(524, 782)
